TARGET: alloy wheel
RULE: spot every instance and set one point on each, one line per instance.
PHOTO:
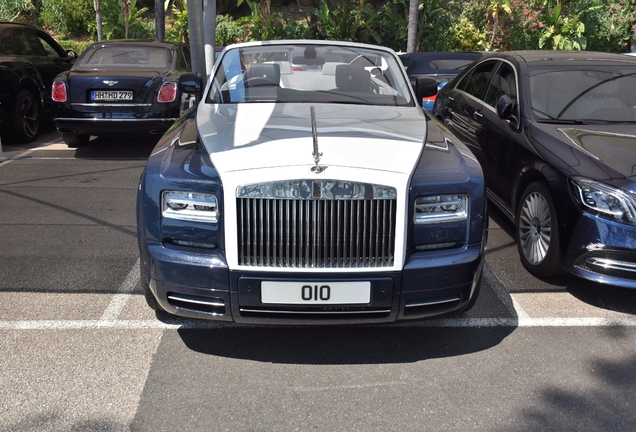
(535, 228)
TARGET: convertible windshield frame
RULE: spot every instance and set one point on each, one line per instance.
(306, 72)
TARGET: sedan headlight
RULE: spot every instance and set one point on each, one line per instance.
(190, 206)
(605, 201)
(441, 208)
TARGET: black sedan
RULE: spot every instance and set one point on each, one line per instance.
(555, 133)
(121, 89)
(29, 60)
(441, 66)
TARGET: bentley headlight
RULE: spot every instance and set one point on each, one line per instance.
(441, 208)
(190, 206)
(605, 201)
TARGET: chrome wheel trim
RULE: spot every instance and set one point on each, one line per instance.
(535, 228)
(28, 113)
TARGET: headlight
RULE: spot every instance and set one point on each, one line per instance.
(190, 206)
(441, 208)
(605, 201)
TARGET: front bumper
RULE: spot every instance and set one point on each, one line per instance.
(200, 285)
(602, 251)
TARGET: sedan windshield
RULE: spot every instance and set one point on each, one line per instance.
(588, 94)
(312, 73)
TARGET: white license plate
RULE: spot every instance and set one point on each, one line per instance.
(111, 95)
(310, 293)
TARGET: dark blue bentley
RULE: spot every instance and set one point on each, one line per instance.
(310, 196)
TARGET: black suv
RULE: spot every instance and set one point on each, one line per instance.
(29, 60)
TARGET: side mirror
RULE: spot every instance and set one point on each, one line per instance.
(425, 87)
(192, 84)
(505, 106)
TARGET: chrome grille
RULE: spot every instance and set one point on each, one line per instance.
(316, 233)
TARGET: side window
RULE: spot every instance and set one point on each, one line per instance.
(183, 58)
(478, 82)
(27, 43)
(503, 83)
(50, 51)
(6, 44)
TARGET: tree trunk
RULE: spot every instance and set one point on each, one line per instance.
(98, 19)
(634, 41)
(411, 41)
(125, 9)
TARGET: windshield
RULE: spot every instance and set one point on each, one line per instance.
(112, 57)
(602, 94)
(316, 73)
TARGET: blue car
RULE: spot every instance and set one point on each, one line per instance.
(330, 197)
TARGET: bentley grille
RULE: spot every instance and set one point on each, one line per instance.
(316, 232)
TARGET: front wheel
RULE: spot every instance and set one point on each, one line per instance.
(75, 140)
(538, 232)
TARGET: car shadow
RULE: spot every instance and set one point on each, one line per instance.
(342, 344)
(118, 148)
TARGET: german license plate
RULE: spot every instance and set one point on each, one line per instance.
(111, 95)
(310, 293)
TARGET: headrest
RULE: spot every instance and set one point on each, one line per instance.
(353, 78)
(270, 74)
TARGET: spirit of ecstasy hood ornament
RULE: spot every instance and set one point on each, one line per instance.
(317, 169)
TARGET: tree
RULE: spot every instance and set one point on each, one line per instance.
(98, 19)
(411, 40)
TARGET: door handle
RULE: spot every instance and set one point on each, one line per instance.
(478, 115)
(451, 98)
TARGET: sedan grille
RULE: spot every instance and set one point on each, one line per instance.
(321, 231)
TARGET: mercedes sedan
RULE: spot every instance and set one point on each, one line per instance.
(120, 88)
(555, 133)
(288, 197)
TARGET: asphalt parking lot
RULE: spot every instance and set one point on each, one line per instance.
(81, 351)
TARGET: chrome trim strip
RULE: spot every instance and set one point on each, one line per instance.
(612, 265)
(116, 120)
(432, 302)
(315, 312)
(193, 301)
(111, 104)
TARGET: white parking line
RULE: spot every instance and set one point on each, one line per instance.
(123, 295)
(28, 152)
(176, 324)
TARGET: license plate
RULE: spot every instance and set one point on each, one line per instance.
(111, 95)
(310, 293)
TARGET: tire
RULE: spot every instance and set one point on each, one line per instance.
(75, 140)
(538, 232)
(27, 117)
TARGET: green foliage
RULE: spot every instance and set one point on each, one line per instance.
(24, 11)
(67, 17)
(466, 36)
(228, 31)
(177, 26)
(564, 31)
(271, 27)
(77, 46)
(613, 26)
(519, 29)
(346, 21)
(114, 19)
